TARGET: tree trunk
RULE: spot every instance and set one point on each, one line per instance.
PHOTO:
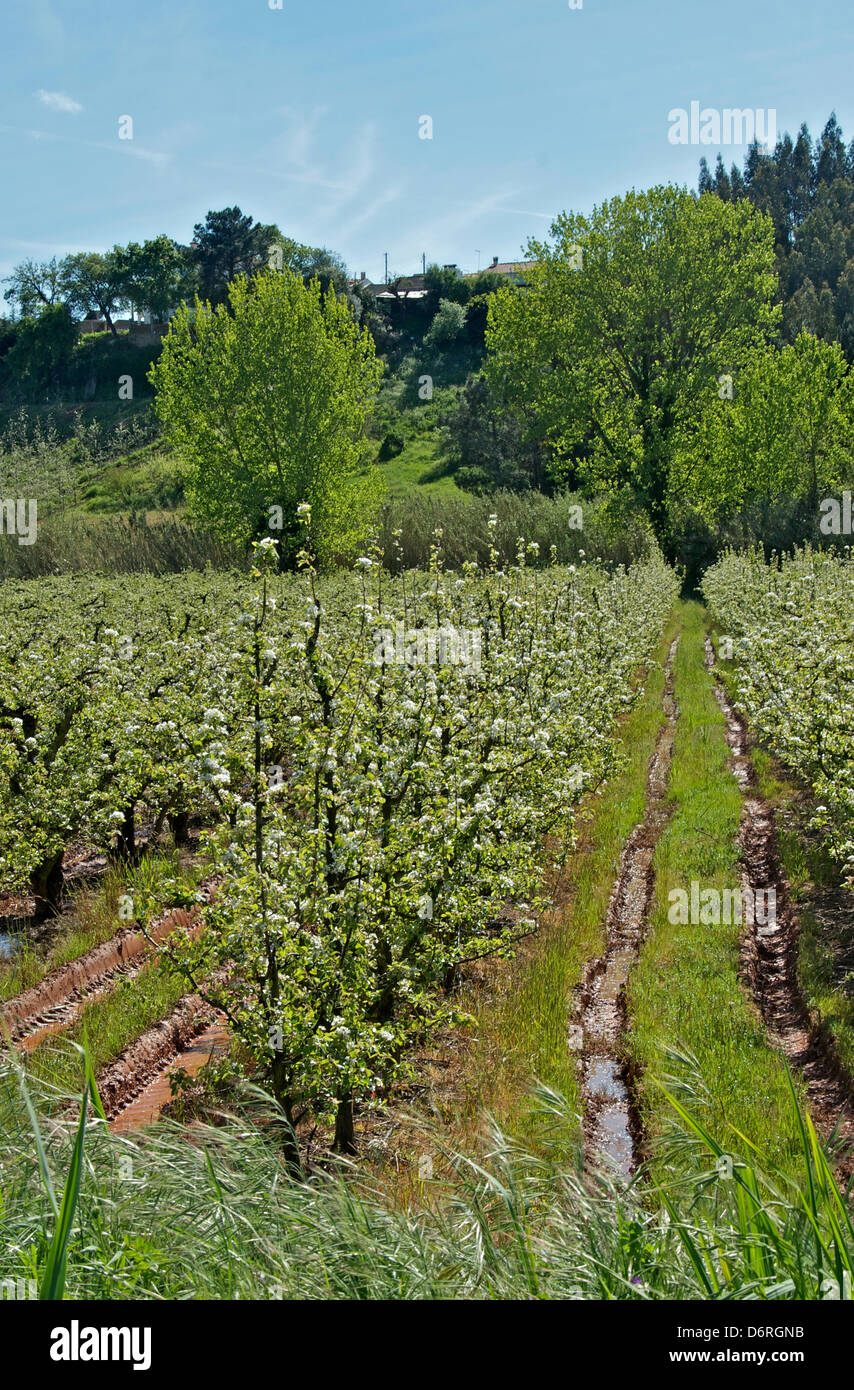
(125, 846)
(46, 882)
(290, 1143)
(345, 1134)
(179, 824)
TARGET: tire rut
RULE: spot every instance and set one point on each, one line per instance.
(150, 1056)
(612, 1130)
(769, 952)
(51, 1006)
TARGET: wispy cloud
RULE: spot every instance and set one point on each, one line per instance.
(268, 172)
(126, 147)
(349, 229)
(295, 146)
(359, 163)
(58, 101)
(526, 212)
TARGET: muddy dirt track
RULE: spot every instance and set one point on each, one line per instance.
(611, 1130)
(769, 953)
(135, 1087)
(52, 1005)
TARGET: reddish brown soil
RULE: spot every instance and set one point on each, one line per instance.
(214, 1041)
(152, 1054)
(52, 1004)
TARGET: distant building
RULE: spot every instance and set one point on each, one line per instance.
(411, 287)
(406, 287)
(511, 270)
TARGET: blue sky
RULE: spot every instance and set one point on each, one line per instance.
(308, 116)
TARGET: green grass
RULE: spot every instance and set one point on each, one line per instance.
(94, 920)
(159, 881)
(148, 479)
(161, 1218)
(522, 1034)
(685, 992)
(404, 473)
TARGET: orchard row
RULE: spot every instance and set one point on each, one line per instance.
(379, 807)
(791, 629)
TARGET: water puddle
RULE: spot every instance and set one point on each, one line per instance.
(597, 1032)
(144, 1109)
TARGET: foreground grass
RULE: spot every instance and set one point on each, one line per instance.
(522, 1025)
(685, 993)
(162, 1218)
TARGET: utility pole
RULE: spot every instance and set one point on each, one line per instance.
(423, 262)
(386, 267)
(478, 262)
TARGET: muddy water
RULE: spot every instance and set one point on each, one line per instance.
(599, 1026)
(144, 1109)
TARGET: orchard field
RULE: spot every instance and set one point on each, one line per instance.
(426, 774)
(276, 845)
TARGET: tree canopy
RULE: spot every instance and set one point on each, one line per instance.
(266, 399)
(630, 317)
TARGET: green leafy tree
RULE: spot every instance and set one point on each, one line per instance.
(42, 350)
(230, 243)
(153, 275)
(488, 447)
(90, 280)
(807, 189)
(34, 285)
(317, 262)
(444, 284)
(483, 286)
(448, 326)
(788, 431)
(630, 316)
(267, 398)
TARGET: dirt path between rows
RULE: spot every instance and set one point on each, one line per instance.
(611, 1124)
(769, 952)
(56, 1001)
(139, 1085)
(135, 1087)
